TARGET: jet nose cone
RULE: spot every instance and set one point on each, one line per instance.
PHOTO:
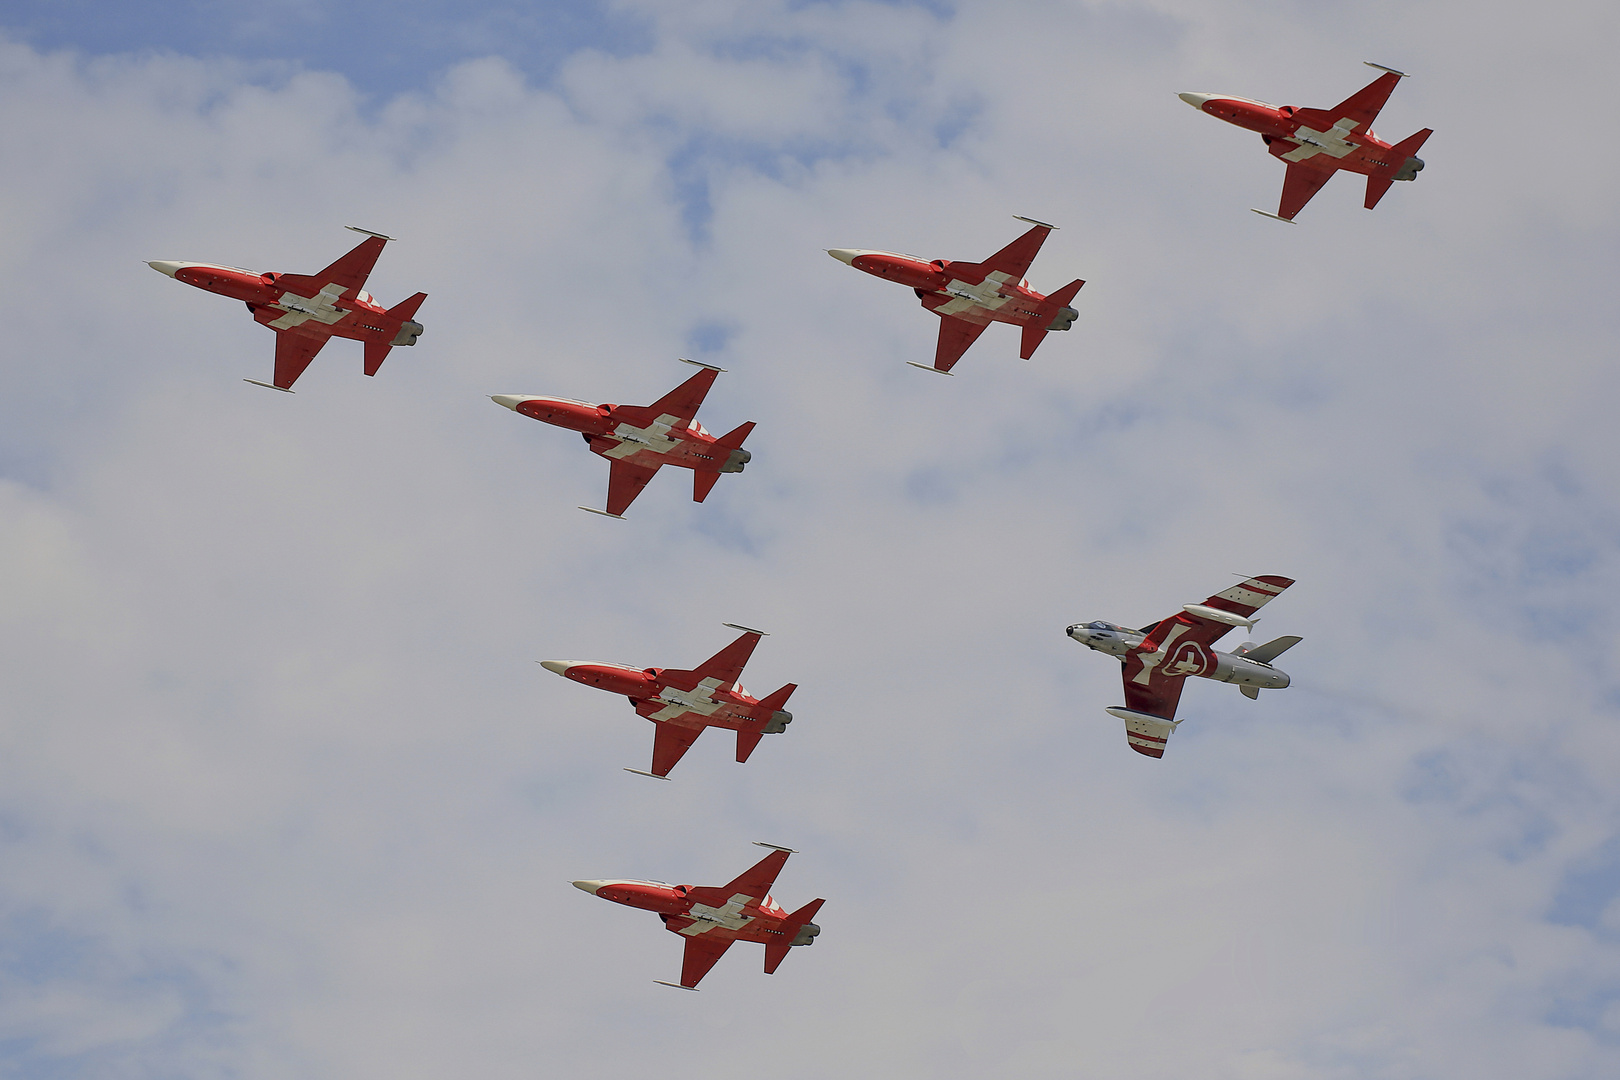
(589, 886)
(511, 401)
(163, 267)
(1196, 100)
(844, 255)
(560, 667)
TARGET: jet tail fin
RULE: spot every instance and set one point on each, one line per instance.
(734, 438)
(409, 331)
(793, 929)
(1265, 654)
(1056, 314)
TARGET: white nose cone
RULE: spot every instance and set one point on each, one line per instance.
(1197, 100)
(560, 667)
(589, 886)
(166, 267)
(845, 255)
(511, 401)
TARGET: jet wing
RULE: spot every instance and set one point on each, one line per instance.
(727, 664)
(625, 482)
(1158, 698)
(670, 744)
(1363, 106)
(681, 402)
(1300, 184)
(702, 953)
(955, 335)
(352, 270)
(295, 348)
(755, 882)
(1241, 600)
(1014, 259)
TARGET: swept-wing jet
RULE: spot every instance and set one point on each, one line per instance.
(638, 440)
(682, 703)
(710, 918)
(1316, 143)
(1157, 659)
(968, 297)
(307, 311)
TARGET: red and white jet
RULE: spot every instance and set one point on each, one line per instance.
(306, 311)
(682, 703)
(639, 440)
(710, 918)
(1316, 143)
(1157, 659)
(968, 297)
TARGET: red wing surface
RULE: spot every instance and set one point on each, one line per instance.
(755, 882)
(670, 744)
(1158, 698)
(1363, 105)
(702, 953)
(294, 350)
(625, 482)
(1300, 183)
(1014, 259)
(352, 270)
(684, 400)
(955, 335)
(727, 664)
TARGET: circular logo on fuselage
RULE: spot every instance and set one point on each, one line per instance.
(1189, 658)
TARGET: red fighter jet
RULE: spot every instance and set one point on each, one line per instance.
(1158, 659)
(710, 919)
(968, 297)
(308, 311)
(1316, 143)
(682, 703)
(637, 440)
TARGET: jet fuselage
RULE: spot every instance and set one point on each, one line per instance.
(358, 317)
(967, 294)
(660, 442)
(1287, 136)
(696, 910)
(664, 699)
(1117, 641)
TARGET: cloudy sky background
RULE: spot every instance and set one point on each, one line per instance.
(283, 793)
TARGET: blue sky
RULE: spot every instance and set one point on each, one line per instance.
(284, 792)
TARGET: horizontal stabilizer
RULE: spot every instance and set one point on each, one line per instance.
(734, 438)
(746, 741)
(376, 353)
(406, 309)
(776, 951)
(1265, 654)
(703, 481)
(778, 699)
(1376, 187)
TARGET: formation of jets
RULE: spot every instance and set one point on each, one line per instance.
(306, 311)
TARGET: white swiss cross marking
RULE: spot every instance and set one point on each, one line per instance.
(301, 309)
(699, 699)
(986, 294)
(728, 915)
(1154, 659)
(654, 437)
(1331, 142)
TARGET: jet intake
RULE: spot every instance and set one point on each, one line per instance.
(778, 722)
(1410, 169)
(806, 935)
(408, 333)
(736, 461)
